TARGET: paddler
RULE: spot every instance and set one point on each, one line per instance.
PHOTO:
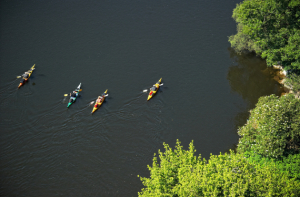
(98, 101)
(25, 77)
(153, 88)
(73, 95)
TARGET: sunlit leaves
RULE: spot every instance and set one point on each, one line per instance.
(273, 26)
(293, 81)
(273, 128)
(180, 173)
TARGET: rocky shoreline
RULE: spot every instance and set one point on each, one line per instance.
(280, 77)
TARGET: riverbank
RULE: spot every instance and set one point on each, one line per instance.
(280, 76)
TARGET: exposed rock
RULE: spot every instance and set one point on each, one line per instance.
(277, 67)
(287, 90)
(276, 78)
(280, 76)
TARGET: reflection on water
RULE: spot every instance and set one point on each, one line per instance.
(251, 79)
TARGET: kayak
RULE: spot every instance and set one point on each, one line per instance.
(154, 89)
(97, 105)
(22, 82)
(73, 99)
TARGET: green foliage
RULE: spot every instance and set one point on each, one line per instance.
(241, 42)
(293, 81)
(288, 165)
(273, 129)
(271, 29)
(164, 176)
(180, 173)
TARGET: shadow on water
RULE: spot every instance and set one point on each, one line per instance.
(251, 79)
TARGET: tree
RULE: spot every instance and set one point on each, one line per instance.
(271, 29)
(273, 128)
(181, 173)
(293, 81)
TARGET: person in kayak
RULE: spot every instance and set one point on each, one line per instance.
(73, 96)
(98, 101)
(154, 88)
(25, 77)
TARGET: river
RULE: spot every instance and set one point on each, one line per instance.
(125, 47)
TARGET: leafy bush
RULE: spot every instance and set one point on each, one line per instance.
(288, 165)
(180, 173)
(271, 29)
(293, 81)
(273, 129)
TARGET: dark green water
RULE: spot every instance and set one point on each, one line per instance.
(125, 47)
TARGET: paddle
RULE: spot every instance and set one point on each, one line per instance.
(153, 85)
(68, 94)
(21, 75)
(106, 95)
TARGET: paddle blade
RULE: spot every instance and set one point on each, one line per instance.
(92, 102)
(19, 77)
(80, 90)
(161, 84)
(105, 95)
(145, 90)
(65, 94)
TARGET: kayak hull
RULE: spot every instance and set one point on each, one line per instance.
(72, 100)
(25, 80)
(97, 105)
(153, 92)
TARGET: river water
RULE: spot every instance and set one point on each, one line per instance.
(125, 47)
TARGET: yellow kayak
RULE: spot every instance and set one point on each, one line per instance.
(22, 82)
(97, 105)
(154, 89)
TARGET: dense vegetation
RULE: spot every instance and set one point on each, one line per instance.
(266, 162)
(273, 129)
(271, 29)
(293, 81)
(181, 173)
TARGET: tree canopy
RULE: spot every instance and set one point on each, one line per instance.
(180, 173)
(273, 128)
(271, 29)
(293, 81)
